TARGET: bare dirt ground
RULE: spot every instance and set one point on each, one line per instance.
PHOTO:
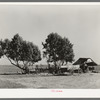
(82, 81)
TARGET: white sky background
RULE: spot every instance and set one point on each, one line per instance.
(80, 23)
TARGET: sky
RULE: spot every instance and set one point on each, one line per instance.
(79, 23)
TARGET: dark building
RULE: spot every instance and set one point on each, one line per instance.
(86, 64)
(88, 61)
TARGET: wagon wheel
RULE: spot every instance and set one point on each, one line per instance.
(54, 73)
(59, 72)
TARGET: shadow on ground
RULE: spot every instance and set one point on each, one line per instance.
(38, 75)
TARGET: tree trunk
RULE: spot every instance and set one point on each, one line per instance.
(55, 65)
(25, 69)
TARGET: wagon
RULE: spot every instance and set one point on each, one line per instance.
(66, 68)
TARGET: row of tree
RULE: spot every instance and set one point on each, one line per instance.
(22, 54)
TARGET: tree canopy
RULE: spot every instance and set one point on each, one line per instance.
(58, 49)
(19, 52)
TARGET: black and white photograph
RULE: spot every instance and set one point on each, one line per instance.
(49, 46)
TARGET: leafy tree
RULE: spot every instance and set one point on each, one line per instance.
(58, 49)
(66, 53)
(20, 52)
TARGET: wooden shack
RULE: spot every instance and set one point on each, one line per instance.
(91, 65)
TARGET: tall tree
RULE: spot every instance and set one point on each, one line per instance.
(58, 49)
(66, 54)
(20, 52)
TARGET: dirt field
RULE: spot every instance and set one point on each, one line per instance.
(83, 81)
(12, 80)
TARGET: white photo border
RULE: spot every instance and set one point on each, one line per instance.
(50, 93)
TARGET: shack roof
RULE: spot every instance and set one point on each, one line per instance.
(82, 60)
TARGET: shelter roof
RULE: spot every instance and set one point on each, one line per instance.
(82, 60)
